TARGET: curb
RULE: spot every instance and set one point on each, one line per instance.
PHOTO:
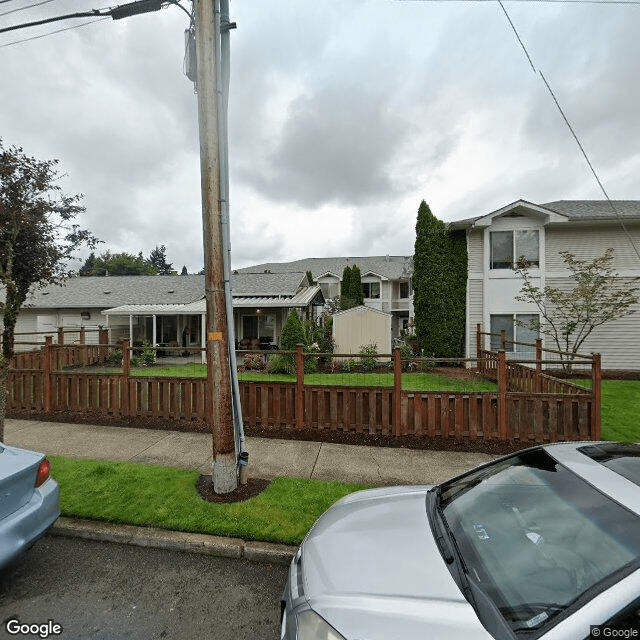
(254, 551)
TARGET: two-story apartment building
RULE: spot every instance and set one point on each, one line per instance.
(386, 281)
(539, 232)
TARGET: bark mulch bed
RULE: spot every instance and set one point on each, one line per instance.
(253, 487)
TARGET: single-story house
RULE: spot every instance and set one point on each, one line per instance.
(168, 309)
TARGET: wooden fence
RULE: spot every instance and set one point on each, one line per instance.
(523, 409)
(77, 354)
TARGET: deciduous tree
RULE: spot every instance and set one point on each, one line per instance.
(38, 236)
(597, 295)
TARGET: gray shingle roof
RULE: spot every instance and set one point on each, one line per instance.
(116, 291)
(577, 210)
(391, 267)
(596, 209)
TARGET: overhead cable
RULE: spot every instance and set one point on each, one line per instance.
(29, 6)
(51, 33)
(573, 133)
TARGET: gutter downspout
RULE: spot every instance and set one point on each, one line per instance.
(222, 85)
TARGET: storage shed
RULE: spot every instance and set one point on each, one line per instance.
(359, 326)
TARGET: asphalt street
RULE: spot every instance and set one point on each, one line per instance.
(106, 591)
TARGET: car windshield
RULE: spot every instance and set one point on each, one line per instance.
(534, 537)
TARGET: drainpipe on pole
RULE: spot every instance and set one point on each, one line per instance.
(219, 405)
(222, 80)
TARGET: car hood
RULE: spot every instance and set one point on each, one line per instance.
(372, 569)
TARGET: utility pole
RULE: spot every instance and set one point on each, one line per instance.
(219, 408)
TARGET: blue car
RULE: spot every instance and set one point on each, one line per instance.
(29, 500)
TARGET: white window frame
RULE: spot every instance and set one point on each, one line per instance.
(514, 248)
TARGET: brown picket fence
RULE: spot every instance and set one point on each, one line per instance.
(523, 408)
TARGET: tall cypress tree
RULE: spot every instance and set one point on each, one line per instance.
(355, 287)
(345, 288)
(439, 286)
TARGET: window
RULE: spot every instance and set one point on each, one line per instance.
(404, 290)
(371, 289)
(508, 247)
(514, 332)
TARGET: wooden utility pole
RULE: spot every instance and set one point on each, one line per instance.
(219, 407)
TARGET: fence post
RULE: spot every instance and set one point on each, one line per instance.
(397, 392)
(103, 339)
(83, 351)
(126, 370)
(596, 379)
(538, 379)
(502, 395)
(503, 339)
(299, 387)
(479, 363)
(47, 368)
(60, 335)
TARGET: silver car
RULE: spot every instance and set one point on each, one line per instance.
(29, 500)
(544, 543)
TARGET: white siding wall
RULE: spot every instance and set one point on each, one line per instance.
(590, 242)
(618, 341)
(475, 250)
(474, 313)
(361, 326)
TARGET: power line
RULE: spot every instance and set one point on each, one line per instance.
(29, 6)
(118, 12)
(44, 35)
(618, 2)
(68, 16)
(573, 133)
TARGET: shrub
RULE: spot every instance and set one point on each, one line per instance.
(349, 365)
(254, 361)
(368, 359)
(281, 363)
(114, 357)
(148, 356)
(135, 361)
(310, 364)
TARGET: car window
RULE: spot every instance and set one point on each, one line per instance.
(537, 539)
(623, 458)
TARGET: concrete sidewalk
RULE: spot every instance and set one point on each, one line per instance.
(267, 458)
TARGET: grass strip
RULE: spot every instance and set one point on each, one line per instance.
(410, 381)
(166, 498)
(620, 410)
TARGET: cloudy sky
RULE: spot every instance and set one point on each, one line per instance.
(343, 117)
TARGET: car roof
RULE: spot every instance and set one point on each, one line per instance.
(611, 467)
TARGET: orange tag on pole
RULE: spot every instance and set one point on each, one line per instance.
(215, 336)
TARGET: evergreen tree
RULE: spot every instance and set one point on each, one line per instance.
(158, 259)
(439, 286)
(310, 278)
(345, 289)
(292, 332)
(184, 271)
(356, 295)
(89, 265)
(119, 264)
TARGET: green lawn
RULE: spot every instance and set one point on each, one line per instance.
(166, 498)
(410, 381)
(621, 410)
